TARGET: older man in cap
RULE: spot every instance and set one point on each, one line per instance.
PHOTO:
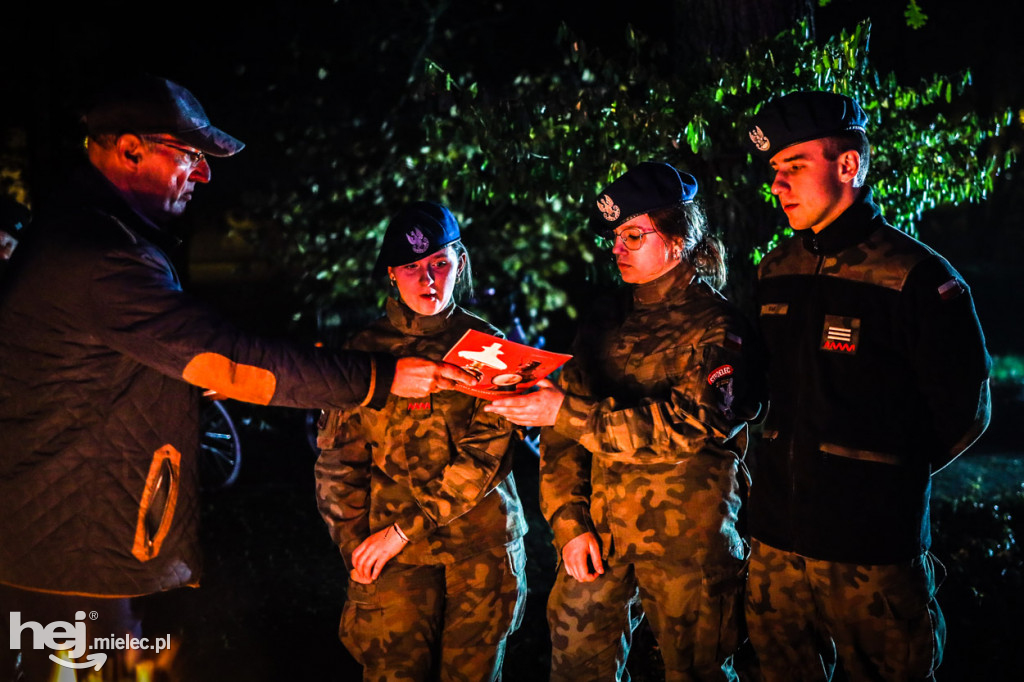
(102, 362)
(878, 378)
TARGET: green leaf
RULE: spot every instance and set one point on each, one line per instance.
(915, 17)
(521, 162)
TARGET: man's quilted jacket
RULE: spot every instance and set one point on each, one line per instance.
(102, 356)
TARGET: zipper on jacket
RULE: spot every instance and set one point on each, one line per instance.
(808, 343)
(158, 504)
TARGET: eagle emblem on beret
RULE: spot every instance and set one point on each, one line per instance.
(608, 208)
(760, 141)
(417, 241)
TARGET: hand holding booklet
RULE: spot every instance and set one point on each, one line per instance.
(502, 367)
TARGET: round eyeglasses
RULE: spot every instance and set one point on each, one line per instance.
(632, 237)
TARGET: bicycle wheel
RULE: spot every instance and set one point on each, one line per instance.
(220, 448)
(311, 426)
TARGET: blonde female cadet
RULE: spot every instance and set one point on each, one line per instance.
(419, 495)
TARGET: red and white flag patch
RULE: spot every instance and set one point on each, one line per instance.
(840, 334)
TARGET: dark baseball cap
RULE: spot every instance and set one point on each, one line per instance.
(803, 116)
(147, 104)
(648, 187)
(415, 232)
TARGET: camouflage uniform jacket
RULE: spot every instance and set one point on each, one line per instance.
(440, 466)
(877, 378)
(646, 447)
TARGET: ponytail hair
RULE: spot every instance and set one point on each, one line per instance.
(464, 280)
(702, 250)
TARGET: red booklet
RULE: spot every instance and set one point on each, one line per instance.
(502, 367)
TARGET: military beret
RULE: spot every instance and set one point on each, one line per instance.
(418, 230)
(642, 189)
(802, 116)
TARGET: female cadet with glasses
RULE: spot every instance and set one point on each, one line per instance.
(419, 495)
(642, 446)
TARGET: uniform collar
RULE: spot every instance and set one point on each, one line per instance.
(851, 227)
(408, 321)
(89, 187)
(675, 280)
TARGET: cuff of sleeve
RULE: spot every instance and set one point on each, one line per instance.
(382, 368)
(574, 417)
(416, 526)
(570, 523)
(346, 552)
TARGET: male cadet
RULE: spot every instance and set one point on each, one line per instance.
(102, 358)
(878, 378)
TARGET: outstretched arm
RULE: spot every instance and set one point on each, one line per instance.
(418, 377)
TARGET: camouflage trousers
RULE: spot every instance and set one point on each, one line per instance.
(880, 622)
(437, 622)
(692, 612)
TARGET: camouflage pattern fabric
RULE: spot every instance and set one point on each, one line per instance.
(881, 622)
(439, 467)
(447, 623)
(646, 453)
(693, 612)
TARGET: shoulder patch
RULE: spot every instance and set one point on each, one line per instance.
(719, 373)
(951, 289)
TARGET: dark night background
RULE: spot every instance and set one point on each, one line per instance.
(242, 61)
(274, 583)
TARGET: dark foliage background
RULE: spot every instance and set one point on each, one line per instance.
(514, 114)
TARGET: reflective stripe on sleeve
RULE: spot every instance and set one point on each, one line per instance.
(241, 382)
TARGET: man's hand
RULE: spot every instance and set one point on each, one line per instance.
(418, 377)
(579, 554)
(536, 408)
(370, 557)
